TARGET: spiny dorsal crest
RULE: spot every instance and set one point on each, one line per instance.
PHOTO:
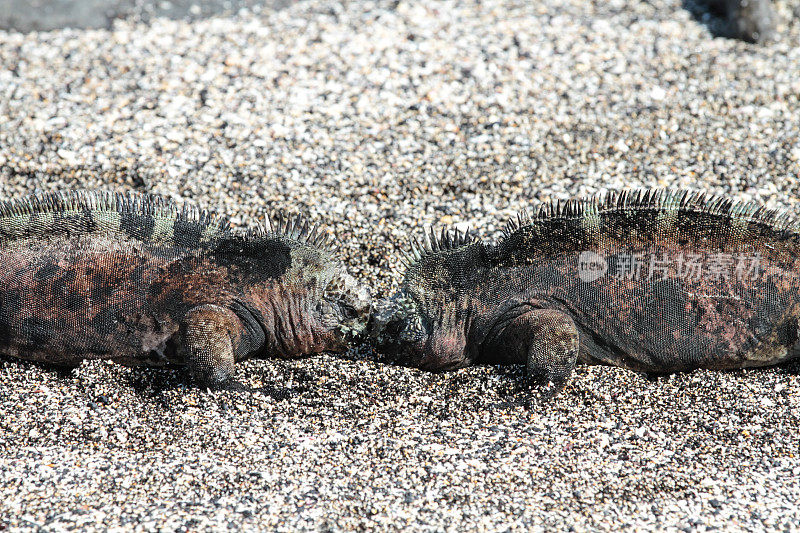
(294, 227)
(523, 218)
(81, 200)
(656, 200)
(297, 228)
(146, 217)
(431, 243)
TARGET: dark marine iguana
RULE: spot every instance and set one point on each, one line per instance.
(655, 281)
(141, 281)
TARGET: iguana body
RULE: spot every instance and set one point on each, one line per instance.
(136, 279)
(655, 281)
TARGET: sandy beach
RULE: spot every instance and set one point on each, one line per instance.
(377, 120)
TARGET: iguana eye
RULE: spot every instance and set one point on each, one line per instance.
(349, 311)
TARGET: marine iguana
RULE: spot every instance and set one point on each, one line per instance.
(141, 281)
(656, 281)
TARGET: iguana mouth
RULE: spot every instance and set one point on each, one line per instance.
(386, 316)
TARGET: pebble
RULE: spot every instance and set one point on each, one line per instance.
(376, 120)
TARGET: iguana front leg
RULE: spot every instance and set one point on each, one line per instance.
(545, 339)
(209, 335)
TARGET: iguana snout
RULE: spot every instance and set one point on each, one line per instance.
(395, 328)
(346, 306)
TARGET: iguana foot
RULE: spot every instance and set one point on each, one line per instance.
(546, 340)
(206, 338)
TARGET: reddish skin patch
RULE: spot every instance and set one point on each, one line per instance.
(125, 303)
(442, 350)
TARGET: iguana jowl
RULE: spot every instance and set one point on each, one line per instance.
(136, 279)
(656, 281)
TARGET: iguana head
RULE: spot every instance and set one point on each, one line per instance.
(324, 307)
(339, 306)
(345, 307)
(408, 334)
(425, 324)
(399, 331)
(304, 298)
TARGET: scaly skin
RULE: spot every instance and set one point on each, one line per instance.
(135, 279)
(541, 297)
